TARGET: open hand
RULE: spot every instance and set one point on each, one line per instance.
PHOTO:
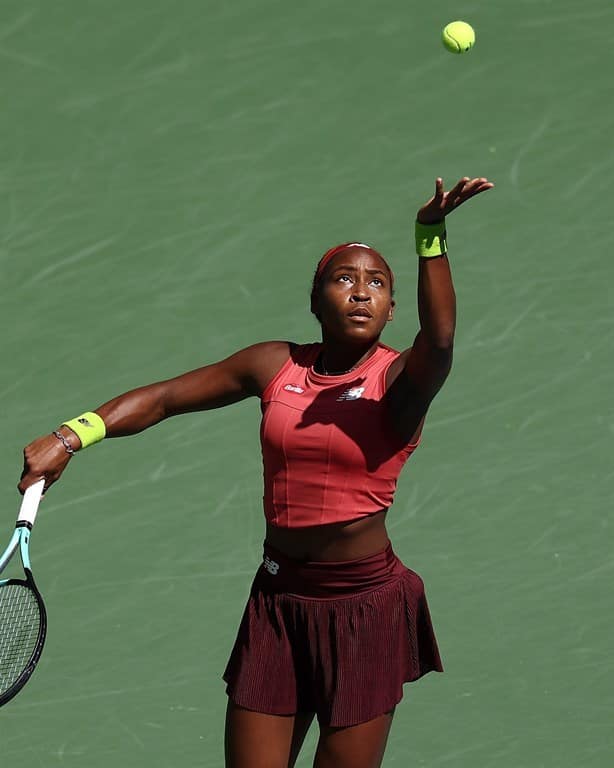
(442, 203)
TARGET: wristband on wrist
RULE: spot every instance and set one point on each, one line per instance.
(431, 239)
(88, 427)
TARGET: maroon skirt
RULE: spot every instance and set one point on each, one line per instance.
(338, 639)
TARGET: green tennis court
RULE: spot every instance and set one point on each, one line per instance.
(169, 175)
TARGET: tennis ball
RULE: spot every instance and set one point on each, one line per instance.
(458, 37)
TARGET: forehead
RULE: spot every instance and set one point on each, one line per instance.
(358, 256)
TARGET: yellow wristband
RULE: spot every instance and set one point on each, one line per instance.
(431, 239)
(88, 427)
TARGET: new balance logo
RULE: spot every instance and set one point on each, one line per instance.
(294, 388)
(271, 566)
(351, 394)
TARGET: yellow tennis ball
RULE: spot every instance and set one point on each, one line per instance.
(458, 37)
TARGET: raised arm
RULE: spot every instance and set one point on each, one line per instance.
(422, 369)
(244, 374)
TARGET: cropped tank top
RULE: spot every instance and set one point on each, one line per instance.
(329, 449)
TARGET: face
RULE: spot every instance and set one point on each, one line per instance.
(354, 300)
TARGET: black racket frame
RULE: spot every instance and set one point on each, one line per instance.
(40, 640)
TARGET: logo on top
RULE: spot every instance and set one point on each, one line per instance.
(294, 388)
(270, 565)
(351, 394)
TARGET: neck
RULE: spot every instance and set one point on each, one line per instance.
(336, 359)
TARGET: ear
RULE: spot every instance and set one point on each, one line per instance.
(391, 310)
(314, 306)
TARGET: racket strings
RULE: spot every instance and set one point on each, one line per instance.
(20, 621)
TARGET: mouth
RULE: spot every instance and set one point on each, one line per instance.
(360, 314)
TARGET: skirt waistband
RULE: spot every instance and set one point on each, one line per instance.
(311, 578)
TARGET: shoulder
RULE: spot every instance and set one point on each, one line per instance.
(388, 353)
(390, 362)
(395, 363)
(278, 349)
(261, 362)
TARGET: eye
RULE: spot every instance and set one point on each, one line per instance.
(344, 278)
(377, 282)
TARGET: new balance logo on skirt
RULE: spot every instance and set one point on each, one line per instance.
(271, 566)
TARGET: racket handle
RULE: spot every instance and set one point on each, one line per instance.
(29, 503)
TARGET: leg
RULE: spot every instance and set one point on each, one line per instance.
(256, 740)
(357, 746)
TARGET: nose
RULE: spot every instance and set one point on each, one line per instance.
(360, 292)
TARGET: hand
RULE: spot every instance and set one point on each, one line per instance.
(45, 457)
(442, 203)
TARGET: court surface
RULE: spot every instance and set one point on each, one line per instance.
(169, 176)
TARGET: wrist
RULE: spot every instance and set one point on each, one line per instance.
(68, 439)
(87, 429)
(429, 222)
(431, 239)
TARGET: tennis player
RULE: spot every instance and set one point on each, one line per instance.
(335, 624)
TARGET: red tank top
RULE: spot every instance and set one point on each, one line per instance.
(329, 450)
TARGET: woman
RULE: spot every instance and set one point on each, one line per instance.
(335, 624)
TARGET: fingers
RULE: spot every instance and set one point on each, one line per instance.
(465, 189)
(442, 203)
(458, 187)
(31, 474)
(45, 457)
(31, 479)
(453, 197)
(467, 184)
(475, 186)
(472, 184)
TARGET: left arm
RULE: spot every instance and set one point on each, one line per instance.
(421, 370)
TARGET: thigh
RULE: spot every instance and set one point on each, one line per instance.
(257, 740)
(357, 746)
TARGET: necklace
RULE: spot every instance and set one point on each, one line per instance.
(334, 373)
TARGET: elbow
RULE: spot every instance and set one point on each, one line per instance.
(438, 341)
(164, 405)
(444, 344)
(444, 356)
(442, 340)
(438, 332)
(157, 403)
(442, 352)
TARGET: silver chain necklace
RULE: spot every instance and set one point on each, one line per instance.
(335, 373)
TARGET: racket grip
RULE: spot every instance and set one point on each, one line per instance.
(31, 500)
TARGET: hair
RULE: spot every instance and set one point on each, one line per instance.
(327, 258)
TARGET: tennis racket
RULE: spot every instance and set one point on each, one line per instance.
(23, 619)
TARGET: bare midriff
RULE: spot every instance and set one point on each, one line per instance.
(332, 543)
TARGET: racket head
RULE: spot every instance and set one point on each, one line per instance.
(23, 628)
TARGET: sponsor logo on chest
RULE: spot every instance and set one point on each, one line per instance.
(294, 388)
(354, 393)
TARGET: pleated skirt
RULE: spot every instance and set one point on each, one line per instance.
(337, 639)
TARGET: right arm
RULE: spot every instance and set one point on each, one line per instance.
(242, 375)
(421, 370)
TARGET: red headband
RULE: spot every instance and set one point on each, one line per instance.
(336, 249)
